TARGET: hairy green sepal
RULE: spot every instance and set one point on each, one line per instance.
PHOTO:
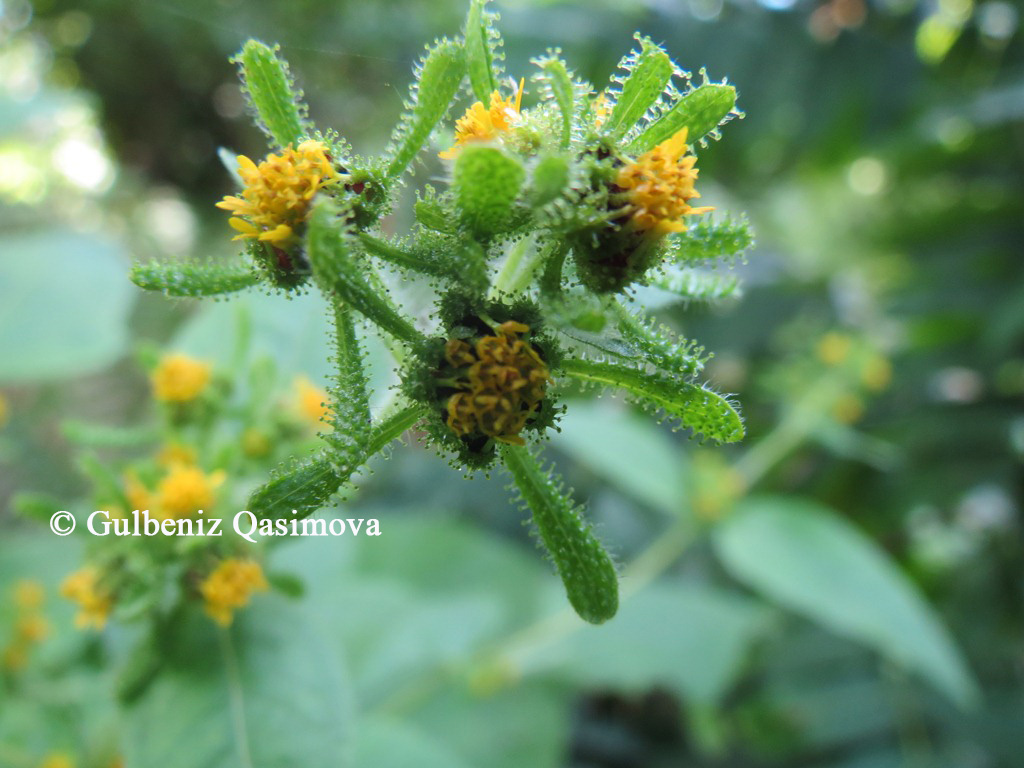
(700, 111)
(705, 412)
(439, 78)
(586, 569)
(650, 71)
(272, 93)
(193, 280)
(481, 39)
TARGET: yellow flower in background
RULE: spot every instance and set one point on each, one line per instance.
(30, 627)
(658, 187)
(179, 379)
(138, 495)
(876, 373)
(94, 604)
(29, 595)
(57, 760)
(4, 410)
(278, 193)
(312, 401)
(176, 453)
(230, 586)
(501, 381)
(834, 348)
(482, 123)
(185, 490)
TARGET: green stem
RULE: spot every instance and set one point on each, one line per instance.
(551, 279)
(508, 269)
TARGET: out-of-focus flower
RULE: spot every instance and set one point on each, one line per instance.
(230, 586)
(179, 379)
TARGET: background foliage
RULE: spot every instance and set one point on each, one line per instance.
(842, 589)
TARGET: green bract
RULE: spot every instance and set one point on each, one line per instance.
(552, 206)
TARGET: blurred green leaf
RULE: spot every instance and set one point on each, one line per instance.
(816, 563)
(64, 303)
(267, 692)
(385, 743)
(631, 452)
(521, 726)
(693, 637)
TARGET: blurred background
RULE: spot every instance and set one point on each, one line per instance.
(876, 346)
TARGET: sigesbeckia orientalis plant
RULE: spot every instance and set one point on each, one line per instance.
(559, 201)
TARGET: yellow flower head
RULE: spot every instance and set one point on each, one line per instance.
(658, 187)
(95, 604)
(185, 490)
(230, 586)
(179, 378)
(500, 381)
(278, 193)
(311, 401)
(481, 123)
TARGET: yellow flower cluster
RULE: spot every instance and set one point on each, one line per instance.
(182, 492)
(278, 193)
(501, 381)
(94, 602)
(230, 586)
(179, 379)
(482, 123)
(30, 627)
(658, 187)
(57, 760)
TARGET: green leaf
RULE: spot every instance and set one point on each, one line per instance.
(700, 111)
(582, 562)
(193, 279)
(650, 70)
(516, 727)
(337, 273)
(486, 182)
(266, 692)
(556, 81)
(481, 41)
(817, 564)
(632, 453)
(699, 409)
(64, 305)
(693, 637)
(272, 93)
(439, 77)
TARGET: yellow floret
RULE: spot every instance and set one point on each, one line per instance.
(185, 490)
(658, 187)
